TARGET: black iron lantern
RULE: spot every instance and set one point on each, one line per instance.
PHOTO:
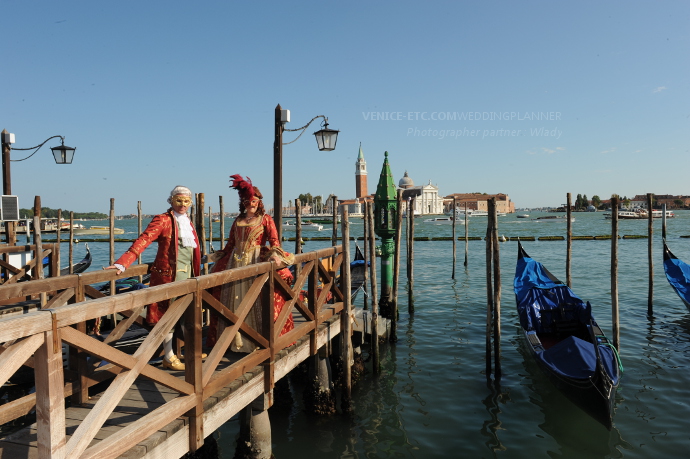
(326, 138)
(63, 154)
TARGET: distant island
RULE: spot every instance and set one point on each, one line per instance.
(47, 212)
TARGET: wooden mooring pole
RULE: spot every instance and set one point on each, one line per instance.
(454, 213)
(71, 241)
(650, 255)
(201, 226)
(57, 240)
(334, 238)
(139, 230)
(365, 249)
(222, 222)
(298, 226)
(614, 272)
(410, 258)
(497, 287)
(111, 245)
(346, 315)
(489, 297)
(467, 236)
(569, 241)
(374, 293)
(396, 271)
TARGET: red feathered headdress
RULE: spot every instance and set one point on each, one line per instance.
(243, 187)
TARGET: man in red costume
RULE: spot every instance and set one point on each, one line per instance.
(178, 257)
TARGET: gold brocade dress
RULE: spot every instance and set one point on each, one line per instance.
(246, 245)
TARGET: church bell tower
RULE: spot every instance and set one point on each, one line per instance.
(361, 175)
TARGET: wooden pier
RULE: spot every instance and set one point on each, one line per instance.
(120, 404)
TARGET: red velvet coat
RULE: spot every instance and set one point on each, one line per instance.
(163, 230)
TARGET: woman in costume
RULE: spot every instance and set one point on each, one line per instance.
(178, 257)
(250, 233)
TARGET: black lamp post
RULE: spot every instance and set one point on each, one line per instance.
(62, 154)
(325, 139)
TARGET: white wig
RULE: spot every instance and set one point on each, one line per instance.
(179, 189)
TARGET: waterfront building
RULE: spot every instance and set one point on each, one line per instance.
(479, 201)
(428, 202)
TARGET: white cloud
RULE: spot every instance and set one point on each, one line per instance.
(610, 150)
(659, 89)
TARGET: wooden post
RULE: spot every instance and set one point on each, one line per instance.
(365, 246)
(569, 242)
(201, 227)
(112, 245)
(50, 399)
(71, 241)
(346, 313)
(497, 287)
(210, 231)
(467, 236)
(222, 222)
(489, 297)
(455, 204)
(614, 272)
(56, 254)
(334, 239)
(650, 257)
(139, 230)
(193, 324)
(39, 257)
(298, 226)
(410, 258)
(37, 213)
(410, 212)
(374, 294)
(396, 271)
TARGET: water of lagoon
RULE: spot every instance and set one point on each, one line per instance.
(432, 398)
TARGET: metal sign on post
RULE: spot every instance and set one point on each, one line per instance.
(9, 208)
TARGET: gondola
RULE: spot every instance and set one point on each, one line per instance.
(678, 275)
(559, 330)
(80, 267)
(358, 269)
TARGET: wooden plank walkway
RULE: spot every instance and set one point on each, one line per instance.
(145, 395)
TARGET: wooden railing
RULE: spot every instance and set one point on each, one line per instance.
(12, 274)
(35, 339)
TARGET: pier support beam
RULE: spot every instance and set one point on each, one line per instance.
(255, 431)
(319, 395)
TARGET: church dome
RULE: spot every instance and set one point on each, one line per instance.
(405, 182)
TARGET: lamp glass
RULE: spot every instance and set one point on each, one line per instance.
(326, 139)
(63, 154)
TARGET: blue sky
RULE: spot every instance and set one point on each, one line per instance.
(155, 94)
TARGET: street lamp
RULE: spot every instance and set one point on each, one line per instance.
(62, 154)
(325, 139)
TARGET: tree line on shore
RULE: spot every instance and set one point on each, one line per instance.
(47, 212)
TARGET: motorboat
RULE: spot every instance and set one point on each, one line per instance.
(306, 226)
(445, 220)
(97, 230)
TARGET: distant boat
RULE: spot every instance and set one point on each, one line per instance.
(553, 218)
(97, 230)
(523, 216)
(306, 226)
(445, 221)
